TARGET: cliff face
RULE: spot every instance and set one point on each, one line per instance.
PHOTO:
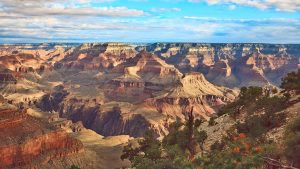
(96, 56)
(143, 92)
(27, 142)
(232, 65)
(193, 90)
(107, 121)
(133, 80)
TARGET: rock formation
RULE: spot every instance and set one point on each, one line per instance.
(27, 142)
(193, 90)
(97, 56)
(132, 90)
(232, 65)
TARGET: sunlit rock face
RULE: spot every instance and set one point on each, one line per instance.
(96, 56)
(232, 65)
(192, 90)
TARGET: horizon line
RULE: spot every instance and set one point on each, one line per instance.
(168, 42)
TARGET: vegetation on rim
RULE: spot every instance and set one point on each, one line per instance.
(256, 111)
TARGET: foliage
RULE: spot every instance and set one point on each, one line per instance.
(252, 100)
(188, 138)
(291, 81)
(217, 146)
(149, 146)
(258, 124)
(263, 113)
(271, 104)
(247, 96)
(240, 152)
(177, 150)
(231, 108)
(212, 121)
(251, 93)
(74, 167)
(292, 142)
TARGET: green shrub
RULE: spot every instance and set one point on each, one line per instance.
(292, 142)
(177, 150)
(291, 81)
(212, 121)
(74, 167)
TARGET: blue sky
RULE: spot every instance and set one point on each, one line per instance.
(215, 21)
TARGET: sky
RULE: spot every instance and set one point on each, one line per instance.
(148, 21)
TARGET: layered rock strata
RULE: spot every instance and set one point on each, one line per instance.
(27, 142)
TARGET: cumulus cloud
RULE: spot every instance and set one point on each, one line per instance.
(54, 7)
(186, 29)
(78, 21)
(261, 30)
(281, 5)
(165, 9)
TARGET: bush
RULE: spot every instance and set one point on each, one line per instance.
(250, 93)
(271, 104)
(292, 142)
(74, 167)
(252, 126)
(247, 97)
(291, 81)
(257, 125)
(237, 152)
(212, 121)
(177, 150)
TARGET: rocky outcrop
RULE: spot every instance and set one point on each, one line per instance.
(107, 122)
(97, 56)
(232, 65)
(27, 142)
(193, 90)
(7, 78)
(135, 78)
(113, 123)
(149, 68)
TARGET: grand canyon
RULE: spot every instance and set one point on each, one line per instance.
(65, 105)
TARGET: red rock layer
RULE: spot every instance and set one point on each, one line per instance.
(29, 142)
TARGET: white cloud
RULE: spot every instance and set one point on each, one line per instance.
(165, 9)
(232, 7)
(54, 7)
(203, 30)
(282, 5)
(78, 21)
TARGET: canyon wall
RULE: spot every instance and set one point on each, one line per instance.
(27, 142)
(232, 65)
